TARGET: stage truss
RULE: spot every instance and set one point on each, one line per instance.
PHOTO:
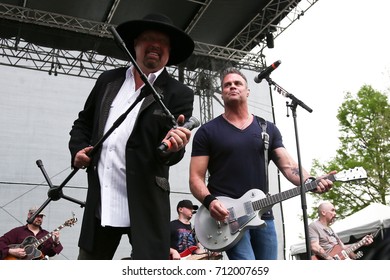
(200, 72)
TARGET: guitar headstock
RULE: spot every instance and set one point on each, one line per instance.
(357, 173)
(368, 239)
(71, 222)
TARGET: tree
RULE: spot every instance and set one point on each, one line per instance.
(365, 141)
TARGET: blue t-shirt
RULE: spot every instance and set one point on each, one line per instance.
(236, 157)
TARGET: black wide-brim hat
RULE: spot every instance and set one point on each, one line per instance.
(182, 44)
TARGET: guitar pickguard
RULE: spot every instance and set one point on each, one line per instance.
(237, 224)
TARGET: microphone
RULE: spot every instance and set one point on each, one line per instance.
(267, 71)
(190, 124)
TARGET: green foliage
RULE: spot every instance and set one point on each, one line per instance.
(364, 141)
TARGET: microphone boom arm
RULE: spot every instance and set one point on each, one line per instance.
(282, 91)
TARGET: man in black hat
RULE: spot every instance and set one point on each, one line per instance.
(183, 240)
(128, 188)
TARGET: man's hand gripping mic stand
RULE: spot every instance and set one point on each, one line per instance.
(55, 192)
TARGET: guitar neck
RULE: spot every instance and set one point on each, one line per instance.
(355, 246)
(47, 236)
(272, 200)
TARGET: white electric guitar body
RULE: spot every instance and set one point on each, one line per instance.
(246, 212)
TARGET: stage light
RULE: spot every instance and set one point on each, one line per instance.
(270, 40)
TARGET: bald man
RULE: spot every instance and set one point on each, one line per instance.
(325, 243)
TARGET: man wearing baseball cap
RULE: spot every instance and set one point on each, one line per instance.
(183, 239)
(13, 244)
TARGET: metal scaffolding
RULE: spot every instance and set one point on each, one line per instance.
(200, 71)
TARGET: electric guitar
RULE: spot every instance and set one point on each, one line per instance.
(31, 243)
(188, 252)
(338, 253)
(245, 212)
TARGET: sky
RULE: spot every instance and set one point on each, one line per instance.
(335, 48)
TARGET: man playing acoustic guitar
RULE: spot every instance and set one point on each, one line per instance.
(325, 243)
(17, 243)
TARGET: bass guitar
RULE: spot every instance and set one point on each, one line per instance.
(31, 243)
(245, 212)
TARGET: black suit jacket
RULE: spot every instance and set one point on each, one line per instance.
(147, 170)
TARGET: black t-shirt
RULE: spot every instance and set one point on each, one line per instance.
(236, 157)
(182, 236)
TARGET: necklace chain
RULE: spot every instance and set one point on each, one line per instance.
(243, 126)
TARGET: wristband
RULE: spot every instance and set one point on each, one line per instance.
(309, 180)
(207, 200)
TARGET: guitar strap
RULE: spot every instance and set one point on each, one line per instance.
(265, 137)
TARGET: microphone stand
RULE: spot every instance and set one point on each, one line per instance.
(55, 192)
(293, 106)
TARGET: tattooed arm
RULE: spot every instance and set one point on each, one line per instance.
(289, 168)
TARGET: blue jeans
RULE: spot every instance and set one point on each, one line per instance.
(256, 244)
